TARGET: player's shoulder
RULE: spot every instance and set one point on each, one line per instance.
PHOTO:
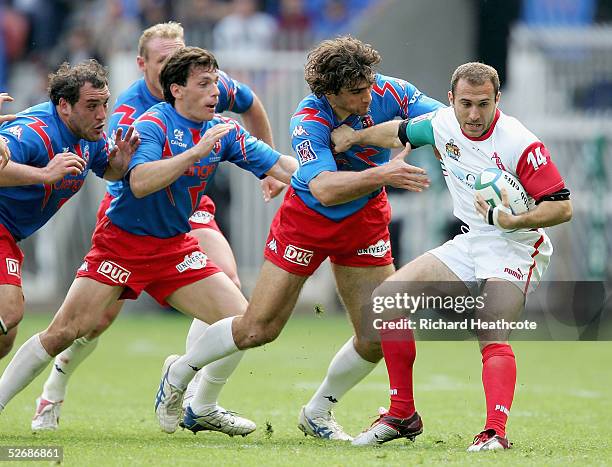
(314, 112)
(512, 130)
(159, 115)
(384, 82)
(130, 96)
(38, 119)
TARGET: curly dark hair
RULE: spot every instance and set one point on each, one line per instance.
(68, 80)
(179, 65)
(339, 63)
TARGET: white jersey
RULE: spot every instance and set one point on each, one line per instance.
(507, 145)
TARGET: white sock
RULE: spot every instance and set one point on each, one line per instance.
(196, 329)
(64, 365)
(216, 342)
(212, 379)
(346, 369)
(29, 361)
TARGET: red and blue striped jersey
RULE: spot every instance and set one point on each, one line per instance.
(164, 133)
(34, 138)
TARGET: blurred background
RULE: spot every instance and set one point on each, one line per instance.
(555, 63)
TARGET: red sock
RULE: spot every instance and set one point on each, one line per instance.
(498, 380)
(399, 350)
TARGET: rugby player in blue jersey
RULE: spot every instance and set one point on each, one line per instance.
(155, 45)
(142, 243)
(337, 208)
(52, 146)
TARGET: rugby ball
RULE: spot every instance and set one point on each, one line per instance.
(489, 184)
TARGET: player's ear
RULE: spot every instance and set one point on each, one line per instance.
(63, 107)
(497, 97)
(450, 98)
(176, 90)
(140, 61)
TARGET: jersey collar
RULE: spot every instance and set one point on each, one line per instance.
(489, 131)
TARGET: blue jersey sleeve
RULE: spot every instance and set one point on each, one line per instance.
(247, 152)
(28, 142)
(234, 96)
(152, 130)
(403, 99)
(311, 141)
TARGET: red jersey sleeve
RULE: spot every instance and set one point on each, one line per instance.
(537, 172)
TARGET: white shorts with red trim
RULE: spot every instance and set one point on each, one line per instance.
(520, 257)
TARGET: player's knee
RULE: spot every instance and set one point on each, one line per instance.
(12, 311)
(6, 342)
(257, 335)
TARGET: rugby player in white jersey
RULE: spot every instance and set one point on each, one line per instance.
(501, 257)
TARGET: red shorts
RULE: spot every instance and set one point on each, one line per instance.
(11, 259)
(204, 215)
(159, 266)
(104, 205)
(300, 239)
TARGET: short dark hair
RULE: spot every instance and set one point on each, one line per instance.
(476, 74)
(340, 63)
(179, 65)
(68, 80)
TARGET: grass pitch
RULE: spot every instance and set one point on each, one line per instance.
(561, 413)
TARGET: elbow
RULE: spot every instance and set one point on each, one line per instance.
(322, 196)
(137, 189)
(568, 212)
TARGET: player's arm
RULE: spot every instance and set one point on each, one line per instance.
(541, 179)
(554, 209)
(150, 177)
(283, 169)
(337, 187)
(256, 121)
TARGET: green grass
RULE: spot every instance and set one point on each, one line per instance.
(561, 413)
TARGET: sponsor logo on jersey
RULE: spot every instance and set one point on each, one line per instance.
(299, 131)
(305, 152)
(367, 121)
(12, 267)
(515, 272)
(452, 150)
(114, 272)
(469, 179)
(378, 250)
(272, 246)
(415, 97)
(195, 260)
(86, 153)
(16, 131)
(498, 162)
(297, 255)
(84, 266)
(178, 138)
(201, 217)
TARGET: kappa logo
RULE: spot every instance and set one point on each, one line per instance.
(515, 272)
(305, 152)
(114, 272)
(201, 217)
(12, 267)
(299, 131)
(297, 255)
(378, 250)
(16, 131)
(452, 150)
(84, 266)
(272, 245)
(195, 260)
(498, 162)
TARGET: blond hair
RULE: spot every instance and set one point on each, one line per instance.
(169, 30)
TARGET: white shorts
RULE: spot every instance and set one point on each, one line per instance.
(519, 257)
